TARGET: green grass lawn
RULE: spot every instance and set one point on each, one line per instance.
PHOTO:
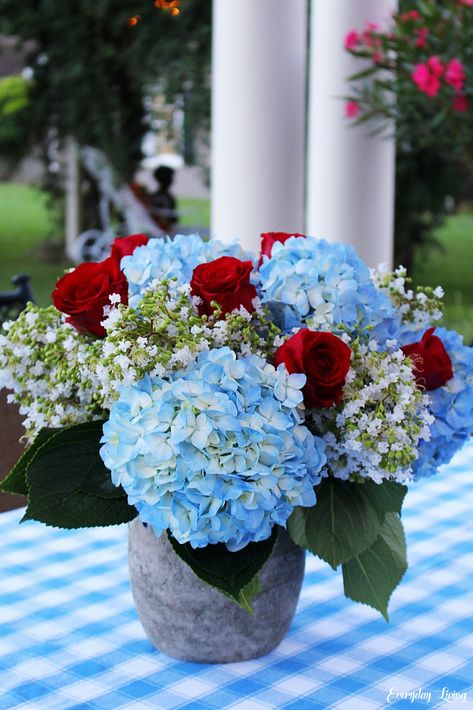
(25, 223)
(451, 268)
(194, 212)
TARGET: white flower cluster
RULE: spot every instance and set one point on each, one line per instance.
(164, 333)
(419, 309)
(376, 431)
(42, 362)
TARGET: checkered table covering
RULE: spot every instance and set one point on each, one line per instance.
(70, 637)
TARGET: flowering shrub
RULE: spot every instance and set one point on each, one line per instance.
(419, 73)
(221, 397)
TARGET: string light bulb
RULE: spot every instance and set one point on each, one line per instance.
(171, 6)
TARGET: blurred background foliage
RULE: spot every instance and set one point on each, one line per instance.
(15, 117)
(434, 134)
(92, 70)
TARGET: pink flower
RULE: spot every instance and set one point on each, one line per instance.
(411, 16)
(369, 37)
(467, 2)
(352, 109)
(460, 103)
(435, 66)
(352, 40)
(422, 35)
(425, 81)
(455, 75)
(377, 57)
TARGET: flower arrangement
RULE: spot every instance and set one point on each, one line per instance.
(221, 396)
(418, 72)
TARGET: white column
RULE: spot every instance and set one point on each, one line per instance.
(72, 196)
(258, 122)
(350, 194)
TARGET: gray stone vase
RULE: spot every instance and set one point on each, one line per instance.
(186, 619)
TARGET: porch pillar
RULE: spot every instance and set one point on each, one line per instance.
(258, 118)
(350, 180)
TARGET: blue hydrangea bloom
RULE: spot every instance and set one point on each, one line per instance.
(172, 257)
(311, 281)
(217, 453)
(452, 406)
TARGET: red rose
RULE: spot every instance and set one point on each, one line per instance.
(324, 359)
(226, 281)
(270, 238)
(84, 292)
(431, 362)
(125, 246)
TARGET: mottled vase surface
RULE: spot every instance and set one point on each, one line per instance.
(186, 619)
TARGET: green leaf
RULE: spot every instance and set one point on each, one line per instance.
(249, 593)
(372, 576)
(363, 74)
(69, 486)
(365, 117)
(16, 482)
(232, 573)
(296, 527)
(387, 497)
(343, 523)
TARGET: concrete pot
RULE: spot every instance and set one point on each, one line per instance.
(186, 619)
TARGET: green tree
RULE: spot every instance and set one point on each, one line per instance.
(15, 116)
(92, 70)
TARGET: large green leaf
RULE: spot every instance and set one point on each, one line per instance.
(387, 497)
(69, 486)
(296, 527)
(16, 482)
(372, 576)
(343, 523)
(232, 573)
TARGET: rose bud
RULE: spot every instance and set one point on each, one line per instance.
(431, 362)
(225, 281)
(324, 359)
(84, 292)
(125, 246)
(269, 239)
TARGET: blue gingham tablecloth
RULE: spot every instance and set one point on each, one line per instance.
(70, 637)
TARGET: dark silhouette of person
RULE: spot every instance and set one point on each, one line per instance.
(163, 202)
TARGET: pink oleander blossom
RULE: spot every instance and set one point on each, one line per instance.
(411, 16)
(352, 109)
(425, 81)
(435, 66)
(352, 40)
(369, 37)
(422, 35)
(455, 75)
(460, 103)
